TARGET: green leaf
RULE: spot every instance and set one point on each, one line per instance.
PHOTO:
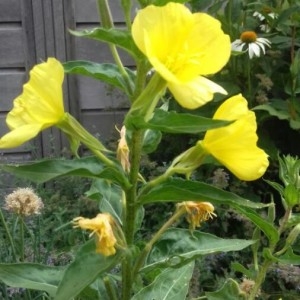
(108, 73)
(179, 246)
(264, 225)
(31, 276)
(118, 37)
(86, 267)
(173, 122)
(48, 169)
(109, 196)
(289, 258)
(151, 140)
(170, 284)
(293, 220)
(177, 190)
(230, 290)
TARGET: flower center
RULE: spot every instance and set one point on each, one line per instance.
(248, 37)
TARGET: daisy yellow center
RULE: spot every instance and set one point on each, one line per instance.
(248, 37)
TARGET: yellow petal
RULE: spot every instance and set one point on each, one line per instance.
(181, 46)
(195, 93)
(19, 136)
(41, 100)
(235, 145)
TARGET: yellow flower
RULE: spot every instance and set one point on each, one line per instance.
(182, 46)
(101, 226)
(38, 107)
(197, 212)
(235, 145)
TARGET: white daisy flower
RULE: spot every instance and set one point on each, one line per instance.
(265, 27)
(249, 41)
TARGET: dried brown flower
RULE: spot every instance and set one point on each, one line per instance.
(24, 201)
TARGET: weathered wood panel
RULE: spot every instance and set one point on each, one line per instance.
(94, 94)
(11, 47)
(102, 124)
(10, 11)
(10, 87)
(88, 12)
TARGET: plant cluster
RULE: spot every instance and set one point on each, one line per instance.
(213, 71)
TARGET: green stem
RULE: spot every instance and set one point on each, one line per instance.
(109, 288)
(250, 100)
(260, 279)
(107, 22)
(267, 262)
(126, 6)
(22, 245)
(11, 242)
(130, 212)
(142, 257)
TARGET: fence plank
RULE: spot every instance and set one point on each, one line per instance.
(10, 87)
(102, 124)
(10, 11)
(11, 47)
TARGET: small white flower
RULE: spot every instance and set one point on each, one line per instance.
(265, 27)
(249, 41)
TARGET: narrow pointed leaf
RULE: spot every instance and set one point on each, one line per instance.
(177, 190)
(31, 276)
(84, 270)
(108, 73)
(173, 122)
(179, 246)
(118, 37)
(170, 284)
(48, 169)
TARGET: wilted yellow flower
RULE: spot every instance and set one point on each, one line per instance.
(235, 145)
(38, 107)
(102, 227)
(24, 201)
(123, 151)
(197, 212)
(183, 47)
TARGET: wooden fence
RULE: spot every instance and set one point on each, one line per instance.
(31, 31)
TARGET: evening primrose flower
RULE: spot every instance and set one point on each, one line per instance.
(183, 47)
(38, 107)
(249, 41)
(197, 212)
(235, 145)
(41, 106)
(102, 228)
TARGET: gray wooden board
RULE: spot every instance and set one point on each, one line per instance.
(10, 10)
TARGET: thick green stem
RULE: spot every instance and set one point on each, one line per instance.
(130, 212)
(141, 259)
(11, 242)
